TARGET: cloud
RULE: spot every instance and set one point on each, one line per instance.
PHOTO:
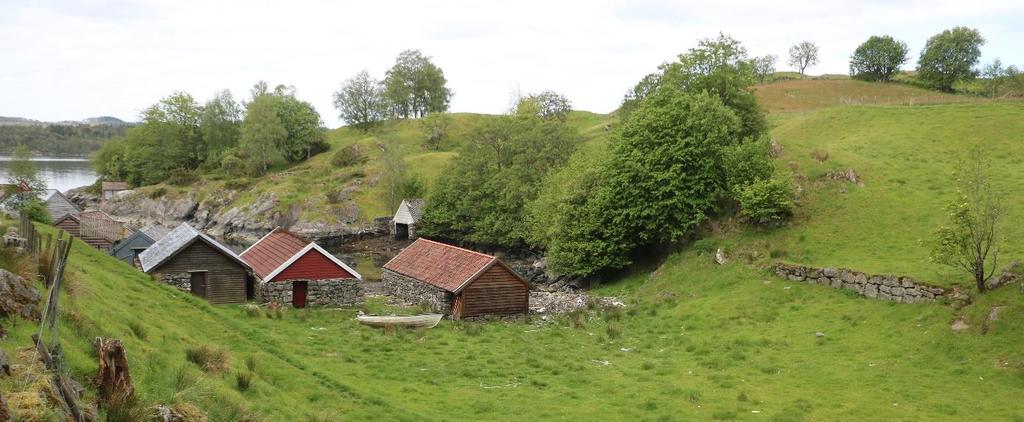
(74, 59)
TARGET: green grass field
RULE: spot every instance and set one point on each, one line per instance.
(697, 341)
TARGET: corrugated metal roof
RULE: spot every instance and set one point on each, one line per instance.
(274, 249)
(174, 242)
(441, 265)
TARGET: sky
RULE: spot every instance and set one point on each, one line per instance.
(68, 60)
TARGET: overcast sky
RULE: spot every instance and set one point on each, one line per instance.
(67, 60)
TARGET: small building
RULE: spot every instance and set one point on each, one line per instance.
(128, 250)
(407, 219)
(196, 263)
(57, 205)
(112, 188)
(293, 270)
(96, 228)
(455, 281)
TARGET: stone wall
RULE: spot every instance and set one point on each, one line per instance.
(183, 281)
(334, 292)
(417, 292)
(881, 287)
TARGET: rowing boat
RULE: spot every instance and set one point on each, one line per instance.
(425, 320)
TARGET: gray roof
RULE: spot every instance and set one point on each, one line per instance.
(416, 208)
(57, 205)
(175, 241)
(156, 231)
(409, 211)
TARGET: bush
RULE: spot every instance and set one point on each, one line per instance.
(232, 164)
(158, 193)
(766, 201)
(210, 359)
(747, 161)
(36, 211)
(819, 155)
(243, 380)
(704, 246)
(349, 156)
(182, 177)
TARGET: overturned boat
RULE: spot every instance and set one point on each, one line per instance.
(413, 321)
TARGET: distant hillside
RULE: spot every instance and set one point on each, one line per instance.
(786, 96)
(105, 120)
(62, 138)
(18, 121)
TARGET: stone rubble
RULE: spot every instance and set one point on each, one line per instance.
(566, 302)
(881, 287)
(18, 297)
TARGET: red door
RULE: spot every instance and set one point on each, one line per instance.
(299, 289)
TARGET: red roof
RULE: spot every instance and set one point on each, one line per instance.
(274, 249)
(445, 266)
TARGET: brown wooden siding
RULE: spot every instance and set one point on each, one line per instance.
(71, 226)
(497, 291)
(225, 278)
(74, 228)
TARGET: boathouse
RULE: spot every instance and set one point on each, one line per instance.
(194, 262)
(293, 270)
(128, 250)
(456, 281)
(96, 228)
(407, 219)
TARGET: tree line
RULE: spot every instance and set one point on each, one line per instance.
(691, 144)
(413, 87)
(179, 137)
(57, 139)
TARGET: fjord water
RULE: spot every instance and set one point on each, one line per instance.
(61, 173)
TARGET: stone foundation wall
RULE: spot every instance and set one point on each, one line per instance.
(183, 281)
(334, 292)
(882, 287)
(414, 291)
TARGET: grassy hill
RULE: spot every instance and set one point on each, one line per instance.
(697, 340)
(802, 95)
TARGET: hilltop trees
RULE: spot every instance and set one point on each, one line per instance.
(950, 57)
(361, 101)
(764, 67)
(177, 136)
(546, 104)
(878, 58)
(969, 241)
(803, 55)
(415, 86)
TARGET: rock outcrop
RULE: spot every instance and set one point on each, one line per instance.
(18, 297)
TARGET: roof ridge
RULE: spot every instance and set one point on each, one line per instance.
(456, 248)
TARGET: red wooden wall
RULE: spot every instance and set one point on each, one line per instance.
(312, 266)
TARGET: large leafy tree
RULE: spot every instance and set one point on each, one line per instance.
(415, 86)
(547, 104)
(878, 58)
(220, 123)
(262, 131)
(361, 101)
(305, 134)
(803, 55)
(764, 67)
(949, 57)
(23, 181)
(481, 196)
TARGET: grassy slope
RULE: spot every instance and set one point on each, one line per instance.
(698, 341)
(807, 95)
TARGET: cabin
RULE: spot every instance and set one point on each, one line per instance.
(455, 281)
(128, 250)
(110, 189)
(196, 263)
(96, 228)
(57, 205)
(407, 219)
(290, 269)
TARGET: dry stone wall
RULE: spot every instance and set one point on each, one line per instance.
(414, 291)
(333, 292)
(882, 287)
(183, 281)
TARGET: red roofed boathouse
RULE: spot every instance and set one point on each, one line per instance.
(456, 281)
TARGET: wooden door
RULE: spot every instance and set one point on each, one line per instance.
(299, 290)
(198, 282)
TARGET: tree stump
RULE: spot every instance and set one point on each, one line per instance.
(112, 379)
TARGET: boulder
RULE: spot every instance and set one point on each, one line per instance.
(959, 325)
(18, 297)
(830, 272)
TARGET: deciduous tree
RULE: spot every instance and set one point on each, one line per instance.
(970, 240)
(262, 131)
(803, 55)
(764, 67)
(361, 101)
(949, 57)
(415, 86)
(878, 58)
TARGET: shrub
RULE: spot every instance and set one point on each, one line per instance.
(36, 211)
(253, 310)
(158, 193)
(243, 380)
(182, 177)
(766, 201)
(233, 165)
(613, 330)
(210, 359)
(747, 162)
(704, 246)
(250, 363)
(819, 155)
(349, 155)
